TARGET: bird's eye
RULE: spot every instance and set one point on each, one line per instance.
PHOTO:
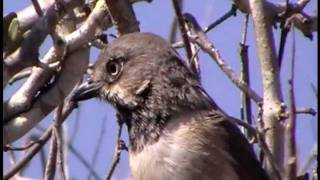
(113, 68)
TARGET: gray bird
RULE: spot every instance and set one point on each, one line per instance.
(176, 131)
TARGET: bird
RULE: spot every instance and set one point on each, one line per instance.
(176, 130)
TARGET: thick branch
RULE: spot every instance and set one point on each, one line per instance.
(272, 96)
(28, 16)
(123, 16)
(27, 54)
(23, 99)
(72, 70)
(307, 24)
(36, 147)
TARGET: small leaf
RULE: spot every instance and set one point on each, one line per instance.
(14, 36)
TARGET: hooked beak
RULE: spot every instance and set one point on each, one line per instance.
(88, 89)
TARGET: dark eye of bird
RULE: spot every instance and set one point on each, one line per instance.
(113, 68)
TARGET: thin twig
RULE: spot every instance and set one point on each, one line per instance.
(120, 145)
(205, 45)
(310, 111)
(311, 158)
(50, 169)
(245, 108)
(20, 75)
(284, 33)
(291, 164)
(43, 160)
(314, 89)
(33, 151)
(76, 126)
(99, 143)
(22, 148)
(58, 135)
(182, 28)
(259, 135)
(37, 7)
(194, 60)
(174, 26)
(231, 12)
(83, 161)
(12, 158)
(37, 146)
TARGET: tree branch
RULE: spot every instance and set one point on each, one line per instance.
(123, 16)
(70, 105)
(208, 47)
(307, 24)
(245, 108)
(272, 95)
(120, 145)
(23, 99)
(291, 164)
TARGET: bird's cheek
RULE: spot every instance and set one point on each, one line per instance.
(121, 97)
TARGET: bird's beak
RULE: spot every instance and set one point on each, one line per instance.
(88, 89)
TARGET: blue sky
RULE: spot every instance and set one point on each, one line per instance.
(157, 17)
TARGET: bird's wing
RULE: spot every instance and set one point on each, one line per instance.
(245, 161)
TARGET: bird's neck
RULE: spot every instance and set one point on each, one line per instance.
(146, 123)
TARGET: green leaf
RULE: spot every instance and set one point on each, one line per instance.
(13, 35)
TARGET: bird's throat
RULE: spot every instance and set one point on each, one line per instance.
(144, 128)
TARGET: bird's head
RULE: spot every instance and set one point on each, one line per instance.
(143, 77)
(132, 68)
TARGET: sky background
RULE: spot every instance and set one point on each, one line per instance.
(94, 117)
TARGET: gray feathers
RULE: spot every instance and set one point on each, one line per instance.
(176, 130)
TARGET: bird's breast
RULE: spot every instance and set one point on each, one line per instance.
(184, 151)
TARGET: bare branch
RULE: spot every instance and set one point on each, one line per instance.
(174, 25)
(99, 143)
(314, 89)
(59, 137)
(25, 95)
(226, 16)
(208, 47)
(182, 27)
(50, 169)
(21, 75)
(291, 164)
(27, 55)
(311, 158)
(28, 16)
(37, 7)
(245, 107)
(310, 111)
(70, 74)
(284, 33)
(272, 95)
(307, 24)
(123, 16)
(83, 161)
(10, 148)
(70, 105)
(276, 170)
(230, 13)
(120, 145)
